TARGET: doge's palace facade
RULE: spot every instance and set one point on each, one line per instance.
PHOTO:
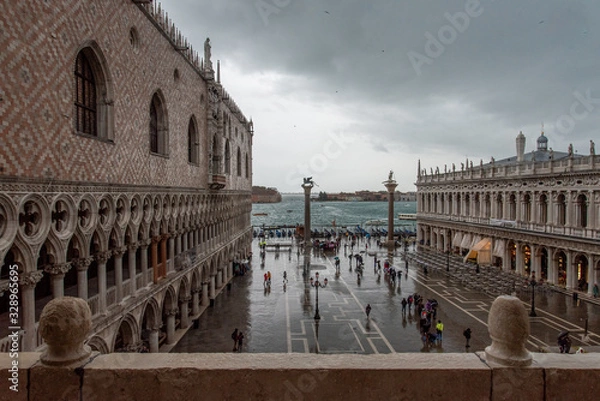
(534, 213)
(125, 171)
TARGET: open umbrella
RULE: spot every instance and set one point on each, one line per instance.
(563, 334)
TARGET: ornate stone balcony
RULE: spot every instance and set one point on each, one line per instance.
(217, 181)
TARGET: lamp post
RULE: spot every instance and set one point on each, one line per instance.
(316, 283)
(532, 312)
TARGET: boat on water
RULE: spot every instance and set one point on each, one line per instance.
(407, 216)
(260, 214)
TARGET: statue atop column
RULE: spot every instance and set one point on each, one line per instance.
(391, 175)
(592, 148)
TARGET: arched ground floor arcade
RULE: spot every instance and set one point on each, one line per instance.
(567, 262)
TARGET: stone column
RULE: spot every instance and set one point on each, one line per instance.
(153, 339)
(118, 255)
(205, 300)
(164, 259)
(184, 322)
(229, 270)
(552, 269)
(519, 259)
(390, 185)
(195, 302)
(171, 325)
(144, 261)
(177, 242)
(154, 257)
(211, 288)
(131, 249)
(571, 270)
(307, 186)
(101, 259)
(82, 265)
(28, 282)
(219, 278)
(535, 263)
(172, 252)
(57, 273)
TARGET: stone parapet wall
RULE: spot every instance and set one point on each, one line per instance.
(304, 377)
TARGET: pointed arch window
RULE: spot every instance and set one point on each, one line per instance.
(543, 209)
(193, 142)
(215, 158)
(92, 113)
(247, 167)
(227, 158)
(158, 126)
(238, 161)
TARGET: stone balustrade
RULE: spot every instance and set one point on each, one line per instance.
(412, 376)
(67, 370)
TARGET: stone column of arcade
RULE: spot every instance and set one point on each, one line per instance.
(390, 185)
(195, 301)
(153, 339)
(82, 265)
(101, 259)
(184, 319)
(219, 278)
(27, 283)
(204, 301)
(171, 325)
(131, 249)
(211, 290)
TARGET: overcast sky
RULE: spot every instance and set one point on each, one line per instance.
(347, 90)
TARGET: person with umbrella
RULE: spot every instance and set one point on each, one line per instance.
(564, 342)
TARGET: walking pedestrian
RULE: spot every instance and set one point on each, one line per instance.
(439, 328)
(404, 303)
(368, 309)
(240, 341)
(467, 334)
(410, 302)
(595, 291)
(234, 337)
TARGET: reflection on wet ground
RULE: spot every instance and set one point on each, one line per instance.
(281, 318)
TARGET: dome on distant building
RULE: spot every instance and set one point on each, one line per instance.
(542, 142)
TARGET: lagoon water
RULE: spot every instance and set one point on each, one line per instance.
(290, 211)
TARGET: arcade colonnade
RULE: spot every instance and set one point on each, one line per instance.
(528, 216)
(146, 262)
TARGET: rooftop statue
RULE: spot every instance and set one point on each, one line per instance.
(391, 175)
(592, 148)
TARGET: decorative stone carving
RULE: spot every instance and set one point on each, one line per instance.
(56, 269)
(102, 257)
(173, 312)
(30, 279)
(120, 251)
(82, 264)
(64, 324)
(508, 326)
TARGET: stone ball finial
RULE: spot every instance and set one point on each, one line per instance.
(509, 329)
(65, 324)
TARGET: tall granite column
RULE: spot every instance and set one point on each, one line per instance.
(390, 185)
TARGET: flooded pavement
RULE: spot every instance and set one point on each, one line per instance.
(281, 318)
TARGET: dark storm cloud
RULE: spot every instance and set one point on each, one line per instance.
(449, 74)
